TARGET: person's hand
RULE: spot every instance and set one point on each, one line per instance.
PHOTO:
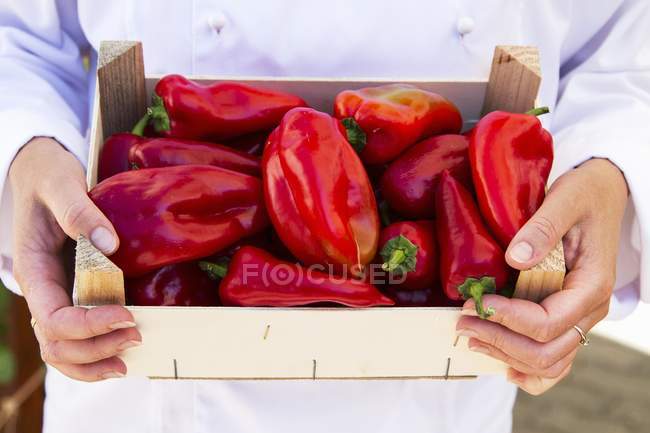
(585, 208)
(50, 202)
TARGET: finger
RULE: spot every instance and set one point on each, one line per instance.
(105, 369)
(558, 213)
(78, 215)
(91, 349)
(536, 355)
(78, 323)
(42, 281)
(552, 317)
(535, 385)
(550, 372)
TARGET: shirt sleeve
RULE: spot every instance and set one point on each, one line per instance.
(603, 110)
(44, 88)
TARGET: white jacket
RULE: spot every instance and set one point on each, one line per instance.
(596, 66)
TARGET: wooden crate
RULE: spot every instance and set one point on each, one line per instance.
(300, 343)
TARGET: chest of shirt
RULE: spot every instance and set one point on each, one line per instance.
(410, 39)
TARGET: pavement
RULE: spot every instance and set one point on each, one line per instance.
(608, 391)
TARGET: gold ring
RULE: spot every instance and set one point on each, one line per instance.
(584, 340)
(33, 322)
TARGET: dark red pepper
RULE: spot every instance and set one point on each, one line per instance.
(114, 156)
(220, 111)
(511, 156)
(317, 193)
(429, 297)
(257, 279)
(174, 214)
(408, 249)
(472, 262)
(252, 144)
(409, 183)
(383, 121)
(166, 152)
(181, 284)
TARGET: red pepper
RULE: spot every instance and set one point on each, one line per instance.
(184, 109)
(409, 183)
(181, 284)
(174, 214)
(317, 193)
(165, 152)
(472, 262)
(408, 248)
(511, 157)
(114, 157)
(257, 279)
(383, 121)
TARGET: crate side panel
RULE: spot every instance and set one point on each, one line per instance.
(242, 343)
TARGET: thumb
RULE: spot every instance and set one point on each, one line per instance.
(556, 216)
(77, 215)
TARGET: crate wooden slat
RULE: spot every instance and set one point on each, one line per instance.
(312, 343)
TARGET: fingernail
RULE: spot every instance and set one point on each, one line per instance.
(122, 325)
(480, 349)
(103, 240)
(469, 312)
(521, 252)
(129, 344)
(112, 375)
(470, 333)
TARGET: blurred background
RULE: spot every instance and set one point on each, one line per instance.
(608, 390)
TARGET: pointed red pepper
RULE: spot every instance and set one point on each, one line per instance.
(317, 193)
(408, 249)
(220, 111)
(167, 152)
(409, 183)
(255, 278)
(174, 214)
(511, 156)
(383, 121)
(472, 262)
(181, 284)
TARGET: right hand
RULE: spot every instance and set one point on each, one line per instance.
(50, 202)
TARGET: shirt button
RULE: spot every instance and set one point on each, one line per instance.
(465, 25)
(217, 21)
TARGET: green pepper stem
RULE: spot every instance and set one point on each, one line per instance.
(397, 257)
(538, 111)
(138, 129)
(476, 291)
(475, 288)
(214, 270)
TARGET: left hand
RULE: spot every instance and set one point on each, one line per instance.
(585, 208)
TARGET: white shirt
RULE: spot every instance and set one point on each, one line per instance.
(595, 58)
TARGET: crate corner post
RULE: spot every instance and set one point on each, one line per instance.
(97, 281)
(121, 85)
(514, 80)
